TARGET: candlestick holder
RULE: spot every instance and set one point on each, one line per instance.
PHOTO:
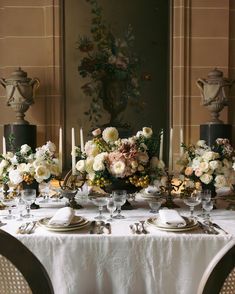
(168, 190)
(69, 188)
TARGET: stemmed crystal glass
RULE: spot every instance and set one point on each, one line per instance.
(111, 206)
(100, 202)
(205, 197)
(192, 201)
(207, 206)
(20, 206)
(28, 196)
(119, 198)
(10, 203)
(154, 205)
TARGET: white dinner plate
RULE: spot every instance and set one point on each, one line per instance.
(77, 223)
(190, 225)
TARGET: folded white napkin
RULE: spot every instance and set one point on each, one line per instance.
(62, 217)
(171, 217)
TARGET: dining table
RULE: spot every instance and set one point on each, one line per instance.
(121, 261)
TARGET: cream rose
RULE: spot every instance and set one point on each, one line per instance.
(147, 132)
(188, 171)
(201, 143)
(91, 149)
(42, 172)
(89, 165)
(98, 165)
(198, 172)
(220, 181)
(210, 155)
(206, 178)
(143, 157)
(110, 134)
(204, 166)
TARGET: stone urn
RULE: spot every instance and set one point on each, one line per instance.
(114, 97)
(213, 93)
(20, 91)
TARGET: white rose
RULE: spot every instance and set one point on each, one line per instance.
(196, 162)
(9, 155)
(96, 132)
(21, 167)
(132, 141)
(42, 172)
(139, 133)
(89, 165)
(110, 134)
(210, 155)
(51, 147)
(220, 181)
(201, 143)
(91, 149)
(80, 165)
(206, 178)
(147, 132)
(118, 168)
(98, 165)
(25, 149)
(101, 156)
(204, 166)
(214, 164)
(39, 154)
(4, 163)
(14, 160)
(54, 169)
(15, 177)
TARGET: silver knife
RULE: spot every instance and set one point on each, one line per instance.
(108, 226)
(219, 227)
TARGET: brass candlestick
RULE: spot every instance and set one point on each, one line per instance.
(167, 191)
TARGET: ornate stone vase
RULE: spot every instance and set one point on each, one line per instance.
(114, 97)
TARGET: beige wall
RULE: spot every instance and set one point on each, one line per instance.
(30, 38)
(203, 38)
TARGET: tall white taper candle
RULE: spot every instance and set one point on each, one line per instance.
(4, 149)
(81, 140)
(161, 147)
(60, 150)
(170, 151)
(73, 152)
(181, 141)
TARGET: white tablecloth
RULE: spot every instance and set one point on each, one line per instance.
(123, 263)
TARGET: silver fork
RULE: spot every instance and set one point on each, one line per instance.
(144, 231)
(22, 229)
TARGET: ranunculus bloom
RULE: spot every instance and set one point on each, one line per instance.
(110, 134)
(96, 132)
(188, 171)
(118, 169)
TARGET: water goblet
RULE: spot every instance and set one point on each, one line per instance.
(193, 200)
(205, 197)
(208, 206)
(100, 202)
(9, 203)
(20, 205)
(119, 198)
(111, 206)
(154, 205)
(28, 196)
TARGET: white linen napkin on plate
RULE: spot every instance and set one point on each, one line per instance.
(171, 217)
(62, 217)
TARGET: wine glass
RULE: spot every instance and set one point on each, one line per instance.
(10, 203)
(205, 197)
(20, 204)
(100, 202)
(208, 206)
(154, 205)
(111, 206)
(119, 198)
(192, 201)
(28, 196)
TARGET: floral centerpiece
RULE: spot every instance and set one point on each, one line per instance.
(207, 167)
(110, 66)
(110, 162)
(26, 167)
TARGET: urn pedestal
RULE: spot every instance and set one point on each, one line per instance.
(210, 132)
(18, 135)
